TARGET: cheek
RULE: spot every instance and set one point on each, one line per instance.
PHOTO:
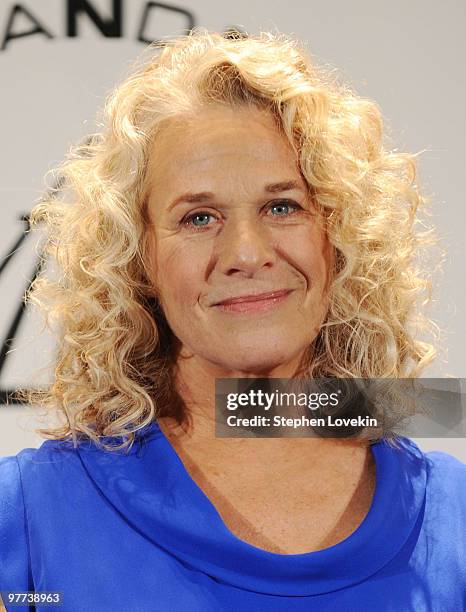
(308, 249)
(180, 274)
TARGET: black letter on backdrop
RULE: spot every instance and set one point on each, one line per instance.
(109, 27)
(7, 343)
(176, 9)
(9, 35)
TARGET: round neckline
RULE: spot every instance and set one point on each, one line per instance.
(222, 525)
(170, 508)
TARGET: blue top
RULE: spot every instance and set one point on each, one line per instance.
(134, 532)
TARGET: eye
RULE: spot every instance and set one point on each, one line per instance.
(284, 207)
(282, 204)
(202, 216)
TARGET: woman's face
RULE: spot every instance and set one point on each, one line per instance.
(231, 217)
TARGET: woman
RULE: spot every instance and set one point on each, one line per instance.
(238, 217)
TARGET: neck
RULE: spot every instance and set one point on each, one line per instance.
(195, 380)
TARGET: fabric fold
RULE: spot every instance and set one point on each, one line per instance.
(151, 488)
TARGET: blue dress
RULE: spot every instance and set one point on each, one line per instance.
(134, 533)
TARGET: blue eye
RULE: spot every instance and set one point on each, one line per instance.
(189, 220)
(285, 205)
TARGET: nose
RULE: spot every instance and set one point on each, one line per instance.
(245, 246)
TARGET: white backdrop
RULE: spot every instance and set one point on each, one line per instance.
(409, 57)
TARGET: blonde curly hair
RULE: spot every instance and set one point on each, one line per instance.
(116, 352)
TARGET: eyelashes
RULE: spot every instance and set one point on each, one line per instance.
(283, 204)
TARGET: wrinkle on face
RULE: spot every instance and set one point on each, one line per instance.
(232, 155)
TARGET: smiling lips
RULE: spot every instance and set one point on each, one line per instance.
(254, 303)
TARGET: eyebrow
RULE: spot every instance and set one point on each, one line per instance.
(206, 196)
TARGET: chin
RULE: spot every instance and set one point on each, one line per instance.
(258, 361)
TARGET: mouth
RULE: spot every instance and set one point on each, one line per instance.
(254, 303)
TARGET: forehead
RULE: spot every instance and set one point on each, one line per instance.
(221, 141)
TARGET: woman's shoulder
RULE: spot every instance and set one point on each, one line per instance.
(440, 478)
(446, 473)
(9, 477)
(446, 465)
(52, 454)
(41, 472)
(29, 468)
(11, 485)
(26, 479)
(12, 468)
(11, 498)
(440, 465)
(444, 523)
(14, 561)
(445, 493)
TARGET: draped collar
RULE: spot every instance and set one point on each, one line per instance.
(154, 493)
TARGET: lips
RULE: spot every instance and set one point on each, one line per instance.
(254, 297)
